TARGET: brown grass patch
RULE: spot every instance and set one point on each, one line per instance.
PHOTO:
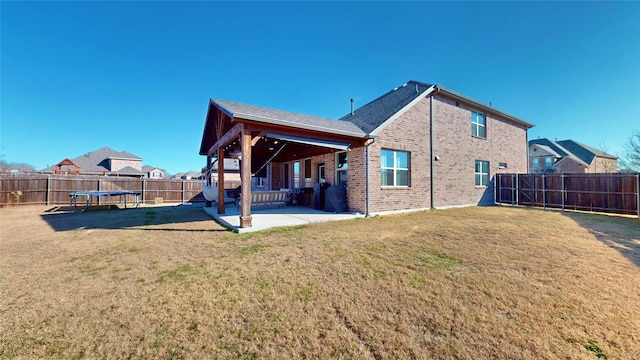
(165, 282)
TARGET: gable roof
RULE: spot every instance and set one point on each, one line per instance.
(98, 160)
(295, 120)
(581, 153)
(128, 170)
(376, 113)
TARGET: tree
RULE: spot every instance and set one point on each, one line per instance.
(631, 158)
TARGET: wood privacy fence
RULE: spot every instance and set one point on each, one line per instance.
(54, 190)
(615, 192)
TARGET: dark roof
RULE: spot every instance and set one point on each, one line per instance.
(279, 117)
(98, 160)
(570, 148)
(551, 144)
(373, 114)
(584, 152)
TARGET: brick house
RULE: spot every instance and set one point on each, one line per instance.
(419, 146)
(568, 156)
(104, 161)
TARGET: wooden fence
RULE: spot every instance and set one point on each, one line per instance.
(614, 193)
(54, 190)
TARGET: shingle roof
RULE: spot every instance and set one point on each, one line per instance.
(373, 114)
(569, 148)
(128, 170)
(279, 117)
(584, 152)
(98, 160)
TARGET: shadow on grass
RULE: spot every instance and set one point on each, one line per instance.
(618, 232)
(144, 218)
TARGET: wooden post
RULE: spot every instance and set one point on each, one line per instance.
(245, 214)
(221, 180)
(48, 189)
(562, 192)
(207, 203)
(143, 188)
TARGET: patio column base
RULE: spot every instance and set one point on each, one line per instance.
(245, 221)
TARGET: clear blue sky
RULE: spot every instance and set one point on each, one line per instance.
(137, 76)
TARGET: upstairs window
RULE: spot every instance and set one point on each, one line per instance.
(548, 162)
(482, 173)
(394, 168)
(478, 125)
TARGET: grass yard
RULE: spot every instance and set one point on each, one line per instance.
(169, 283)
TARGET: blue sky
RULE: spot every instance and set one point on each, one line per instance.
(137, 76)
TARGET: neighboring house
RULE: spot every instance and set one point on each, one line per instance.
(419, 146)
(104, 161)
(568, 156)
(152, 172)
(190, 175)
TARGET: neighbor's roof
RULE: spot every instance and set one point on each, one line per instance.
(285, 118)
(568, 148)
(128, 170)
(375, 113)
(98, 160)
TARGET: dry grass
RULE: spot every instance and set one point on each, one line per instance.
(465, 283)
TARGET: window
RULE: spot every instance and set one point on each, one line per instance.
(296, 174)
(548, 162)
(478, 125)
(156, 174)
(341, 168)
(502, 165)
(535, 163)
(482, 173)
(259, 182)
(307, 173)
(321, 178)
(394, 168)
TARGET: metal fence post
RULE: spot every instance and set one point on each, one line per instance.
(183, 191)
(517, 185)
(513, 189)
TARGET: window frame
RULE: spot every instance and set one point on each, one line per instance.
(476, 125)
(395, 169)
(340, 169)
(482, 175)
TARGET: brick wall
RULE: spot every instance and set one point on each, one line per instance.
(117, 164)
(454, 173)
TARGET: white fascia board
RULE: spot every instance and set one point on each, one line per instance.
(418, 98)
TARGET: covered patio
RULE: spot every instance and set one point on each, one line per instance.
(260, 136)
(273, 217)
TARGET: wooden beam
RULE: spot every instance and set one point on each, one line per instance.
(221, 205)
(226, 138)
(245, 175)
(257, 138)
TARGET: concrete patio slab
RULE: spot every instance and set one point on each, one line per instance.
(270, 217)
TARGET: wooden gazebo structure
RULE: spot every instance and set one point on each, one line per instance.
(258, 135)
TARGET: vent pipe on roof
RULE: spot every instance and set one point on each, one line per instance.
(352, 106)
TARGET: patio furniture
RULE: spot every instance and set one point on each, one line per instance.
(266, 198)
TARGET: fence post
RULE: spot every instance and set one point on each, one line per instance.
(498, 189)
(517, 190)
(544, 193)
(562, 192)
(143, 189)
(638, 192)
(48, 188)
(183, 191)
(99, 180)
(513, 188)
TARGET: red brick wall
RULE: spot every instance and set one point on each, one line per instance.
(454, 173)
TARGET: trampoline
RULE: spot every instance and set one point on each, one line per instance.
(88, 194)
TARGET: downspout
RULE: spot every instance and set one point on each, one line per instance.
(366, 179)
